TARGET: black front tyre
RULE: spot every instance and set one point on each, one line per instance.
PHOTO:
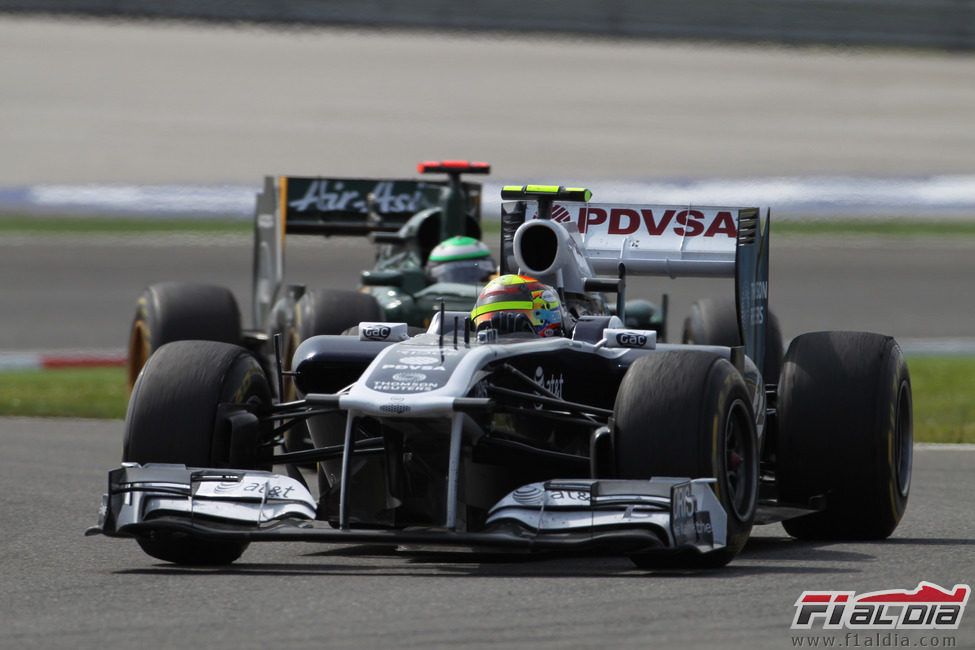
(688, 413)
(172, 418)
(845, 420)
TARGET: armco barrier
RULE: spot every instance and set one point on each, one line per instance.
(944, 24)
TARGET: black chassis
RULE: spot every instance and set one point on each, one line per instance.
(475, 459)
(516, 411)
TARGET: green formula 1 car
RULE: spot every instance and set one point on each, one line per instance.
(428, 250)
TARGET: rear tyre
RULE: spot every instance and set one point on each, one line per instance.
(714, 321)
(332, 311)
(774, 350)
(688, 413)
(324, 311)
(172, 418)
(179, 311)
(845, 430)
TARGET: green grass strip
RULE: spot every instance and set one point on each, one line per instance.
(944, 397)
(64, 392)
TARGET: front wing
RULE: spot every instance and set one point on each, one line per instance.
(660, 514)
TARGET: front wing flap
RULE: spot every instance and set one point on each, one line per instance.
(661, 514)
(682, 513)
(139, 493)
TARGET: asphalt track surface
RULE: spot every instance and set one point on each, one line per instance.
(94, 103)
(79, 293)
(64, 590)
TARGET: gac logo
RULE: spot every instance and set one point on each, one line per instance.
(379, 333)
(631, 340)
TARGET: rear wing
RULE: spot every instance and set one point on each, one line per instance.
(303, 205)
(564, 243)
(353, 206)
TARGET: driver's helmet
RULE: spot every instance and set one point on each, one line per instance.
(511, 303)
(460, 259)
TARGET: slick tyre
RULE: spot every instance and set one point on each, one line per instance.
(179, 311)
(688, 413)
(332, 311)
(713, 321)
(172, 418)
(845, 432)
(325, 311)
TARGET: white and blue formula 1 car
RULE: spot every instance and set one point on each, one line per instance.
(599, 439)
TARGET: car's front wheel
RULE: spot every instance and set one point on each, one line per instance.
(688, 414)
(173, 418)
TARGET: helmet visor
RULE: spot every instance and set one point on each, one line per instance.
(463, 271)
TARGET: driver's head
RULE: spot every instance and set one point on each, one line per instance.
(511, 303)
(460, 259)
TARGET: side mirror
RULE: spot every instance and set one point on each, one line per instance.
(382, 278)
